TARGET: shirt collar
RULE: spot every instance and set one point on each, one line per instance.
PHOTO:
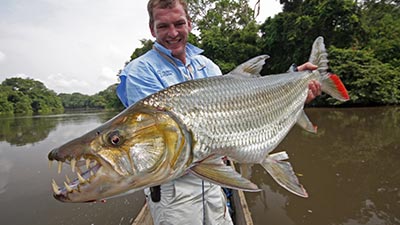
(191, 50)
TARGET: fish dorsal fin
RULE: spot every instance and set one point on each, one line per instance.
(223, 175)
(250, 68)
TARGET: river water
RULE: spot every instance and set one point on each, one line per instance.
(350, 169)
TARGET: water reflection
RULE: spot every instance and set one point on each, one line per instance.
(350, 170)
(25, 177)
(20, 131)
(25, 130)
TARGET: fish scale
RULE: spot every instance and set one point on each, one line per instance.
(218, 109)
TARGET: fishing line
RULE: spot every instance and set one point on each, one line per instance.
(204, 202)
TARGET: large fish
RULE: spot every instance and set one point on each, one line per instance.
(187, 127)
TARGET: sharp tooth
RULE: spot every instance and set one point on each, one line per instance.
(91, 173)
(59, 167)
(73, 164)
(56, 189)
(67, 178)
(87, 163)
(69, 189)
(50, 163)
(81, 179)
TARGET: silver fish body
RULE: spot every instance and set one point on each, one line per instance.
(244, 119)
(188, 127)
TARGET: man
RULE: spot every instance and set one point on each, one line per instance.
(188, 199)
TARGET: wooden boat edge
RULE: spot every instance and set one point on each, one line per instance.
(144, 216)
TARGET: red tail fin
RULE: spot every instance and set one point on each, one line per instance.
(340, 86)
(334, 87)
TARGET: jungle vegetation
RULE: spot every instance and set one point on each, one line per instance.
(362, 36)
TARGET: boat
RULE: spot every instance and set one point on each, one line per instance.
(241, 214)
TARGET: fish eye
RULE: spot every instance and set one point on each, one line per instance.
(115, 138)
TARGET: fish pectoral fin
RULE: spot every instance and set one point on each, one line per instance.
(223, 175)
(283, 173)
(305, 123)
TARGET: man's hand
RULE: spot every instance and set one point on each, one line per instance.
(314, 87)
(307, 66)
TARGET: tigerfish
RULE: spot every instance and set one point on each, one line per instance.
(186, 127)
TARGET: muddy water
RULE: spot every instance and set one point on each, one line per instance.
(350, 170)
(25, 191)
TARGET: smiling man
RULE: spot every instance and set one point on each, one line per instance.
(188, 199)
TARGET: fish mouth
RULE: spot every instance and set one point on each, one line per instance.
(82, 171)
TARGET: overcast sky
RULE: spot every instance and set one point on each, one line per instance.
(75, 45)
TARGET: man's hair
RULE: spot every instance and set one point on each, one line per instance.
(164, 4)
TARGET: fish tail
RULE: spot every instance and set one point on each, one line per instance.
(334, 87)
(330, 83)
(283, 173)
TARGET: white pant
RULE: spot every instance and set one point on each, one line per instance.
(182, 203)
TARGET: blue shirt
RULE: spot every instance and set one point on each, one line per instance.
(155, 71)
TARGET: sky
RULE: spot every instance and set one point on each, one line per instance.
(76, 45)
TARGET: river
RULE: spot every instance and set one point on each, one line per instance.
(350, 170)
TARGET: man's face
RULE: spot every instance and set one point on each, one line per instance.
(171, 29)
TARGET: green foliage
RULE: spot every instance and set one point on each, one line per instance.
(368, 80)
(363, 39)
(280, 41)
(288, 36)
(6, 107)
(229, 33)
(27, 96)
(230, 48)
(382, 24)
(106, 99)
(111, 99)
(366, 39)
(146, 46)
(363, 36)
(74, 100)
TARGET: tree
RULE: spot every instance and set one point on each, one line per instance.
(229, 33)
(381, 20)
(6, 107)
(288, 36)
(74, 100)
(111, 99)
(31, 96)
(369, 81)
(146, 45)
(363, 38)
(22, 103)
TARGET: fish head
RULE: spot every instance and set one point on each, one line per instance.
(141, 147)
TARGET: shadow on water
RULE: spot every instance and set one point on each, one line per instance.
(350, 170)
